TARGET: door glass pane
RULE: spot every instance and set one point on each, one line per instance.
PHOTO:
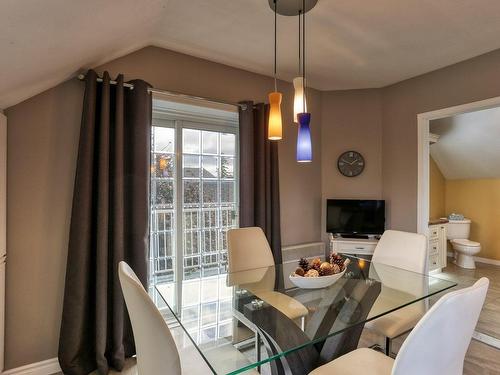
(209, 193)
(228, 144)
(210, 167)
(210, 142)
(191, 141)
(191, 165)
(162, 240)
(193, 205)
(192, 193)
(163, 140)
(227, 192)
(212, 192)
(164, 193)
(227, 167)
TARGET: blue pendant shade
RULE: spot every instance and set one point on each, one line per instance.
(304, 147)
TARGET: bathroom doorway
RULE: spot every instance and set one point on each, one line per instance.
(461, 146)
(459, 179)
(442, 119)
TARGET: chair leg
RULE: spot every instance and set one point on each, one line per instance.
(388, 346)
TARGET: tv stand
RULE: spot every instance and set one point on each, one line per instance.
(353, 246)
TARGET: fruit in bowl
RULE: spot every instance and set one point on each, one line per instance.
(312, 273)
(318, 273)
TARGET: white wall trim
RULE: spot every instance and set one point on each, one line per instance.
(47, 367)
(486, 339)
(423, 120)
(302, 245)
(487, 261)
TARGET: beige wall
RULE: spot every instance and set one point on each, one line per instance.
(42, 142)
(478, 200)
(351, 121)
(461, 83)
(437, 189)
(43, 137)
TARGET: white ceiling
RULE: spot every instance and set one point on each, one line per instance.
(351, 43)
(469, 145)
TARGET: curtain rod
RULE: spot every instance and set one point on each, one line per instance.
(130, 86)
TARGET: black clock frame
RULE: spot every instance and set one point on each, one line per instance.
(346, 152)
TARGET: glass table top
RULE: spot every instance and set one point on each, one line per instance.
(243, 320)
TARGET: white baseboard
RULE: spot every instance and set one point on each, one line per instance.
(486, 339)
(47, 367)
(487, 261)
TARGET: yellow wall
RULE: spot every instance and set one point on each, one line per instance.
(437, 191)
(478, 200)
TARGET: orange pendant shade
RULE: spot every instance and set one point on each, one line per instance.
(275, 128)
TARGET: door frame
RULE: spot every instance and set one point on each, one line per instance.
(423, 179)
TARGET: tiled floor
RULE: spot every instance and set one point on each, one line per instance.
(489, 321)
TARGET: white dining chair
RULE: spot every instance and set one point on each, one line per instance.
(251, 260)
(155, 345)
(157, 350)
(436, 346)
(407, 251)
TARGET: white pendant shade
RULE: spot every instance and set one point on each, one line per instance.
(299, 102)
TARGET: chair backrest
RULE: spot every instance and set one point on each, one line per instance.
(438, 343)
(248, 249)
(156, 350)
(402, 250)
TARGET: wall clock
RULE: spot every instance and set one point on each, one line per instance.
(351, 163)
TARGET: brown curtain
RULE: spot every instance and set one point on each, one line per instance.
(109, 223)
(259, 175)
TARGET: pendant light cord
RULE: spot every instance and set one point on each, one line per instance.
(304, 55)
(275, 43)
(300, 41)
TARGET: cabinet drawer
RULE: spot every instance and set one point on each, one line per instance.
(433, 233)
(355, 248)
(434, 247)
(433, 262)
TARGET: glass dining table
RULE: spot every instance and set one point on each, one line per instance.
(244, 321)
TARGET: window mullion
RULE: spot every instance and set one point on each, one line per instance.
(178, 204)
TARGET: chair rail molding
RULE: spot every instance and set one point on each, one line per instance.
(47, 367)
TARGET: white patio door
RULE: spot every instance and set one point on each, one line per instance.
(194, 201)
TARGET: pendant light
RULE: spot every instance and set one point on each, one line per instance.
(275, 127)
(299, 102)
(304, 144)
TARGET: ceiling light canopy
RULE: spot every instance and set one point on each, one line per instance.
(292, 7)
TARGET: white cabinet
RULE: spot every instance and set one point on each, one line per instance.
(353, 246)
(437, 247)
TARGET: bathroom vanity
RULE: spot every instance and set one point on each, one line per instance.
(437, 245)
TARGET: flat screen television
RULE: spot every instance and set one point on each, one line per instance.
(355, 216)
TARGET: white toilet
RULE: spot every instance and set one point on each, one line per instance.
(458, 233)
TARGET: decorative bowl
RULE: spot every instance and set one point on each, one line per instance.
(315, 282)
